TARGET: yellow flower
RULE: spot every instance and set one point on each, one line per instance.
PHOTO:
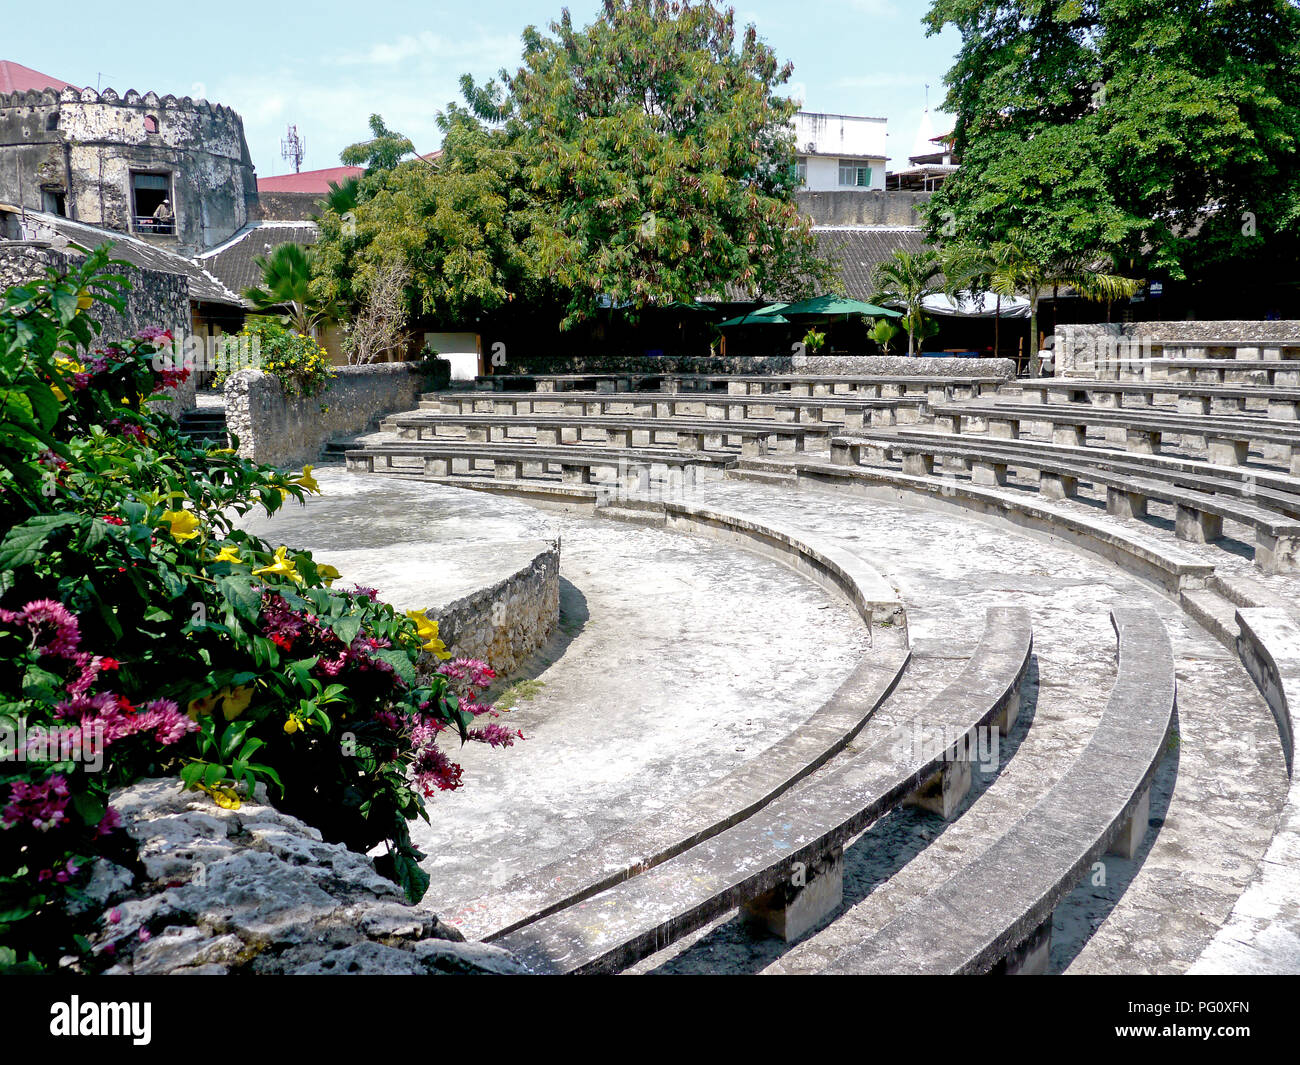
(184, 525)
(201, 707)
(228, 554)
(84, 300)
(307, 481)
(281, 567)
(221, 451)
(328, 574)
(295, 724)
(226, 798)
(427, 631)
(235, 700)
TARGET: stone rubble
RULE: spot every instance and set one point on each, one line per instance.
(256, 891)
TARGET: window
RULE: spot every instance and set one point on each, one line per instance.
(151, 203)
(52, 201)
(802, 168)
(854, 174)
(52, 121)
(150, 124)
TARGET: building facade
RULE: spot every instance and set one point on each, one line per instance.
(840, 152)
(171, 172)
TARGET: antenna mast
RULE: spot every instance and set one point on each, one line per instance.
(293, 148)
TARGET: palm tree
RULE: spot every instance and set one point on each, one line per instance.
(905, 280)
(1018, 269)
(286, 290)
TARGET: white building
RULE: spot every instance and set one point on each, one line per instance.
(840, 151)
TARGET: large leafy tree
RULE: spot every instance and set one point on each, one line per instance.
(458, 230)
(662, 157)
(1166, 134)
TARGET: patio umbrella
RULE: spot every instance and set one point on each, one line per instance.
(826, 306)
(763, 316)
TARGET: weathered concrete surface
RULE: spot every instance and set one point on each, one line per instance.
(1226, 777)
(256, 891)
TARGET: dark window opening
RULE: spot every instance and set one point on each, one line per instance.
(151, 203)
(53, 202)
(52, 121)
(150, 124)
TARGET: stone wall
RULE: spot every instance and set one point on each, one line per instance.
(897, 365)
(155, 300)
(503, 623)
(857, 207)
(290, 430)
(1086, 350)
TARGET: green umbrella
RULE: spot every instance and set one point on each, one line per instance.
(755, 318)
(763, 316)
(834, 305)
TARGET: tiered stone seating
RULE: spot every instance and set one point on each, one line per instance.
(736, 842)
(997, 912)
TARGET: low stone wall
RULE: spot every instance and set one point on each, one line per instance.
(895, 365)
(290, 430)
(1097, 349)
(503, 623)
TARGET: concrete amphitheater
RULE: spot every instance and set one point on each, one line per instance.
(860, 673)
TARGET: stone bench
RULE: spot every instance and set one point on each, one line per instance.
(1199, 514)
(1147, 557)
(554, 430)
(996, 913)
(1281, 404)
(516, 462)
(1274, 373)
(783, 863)
(795, 384)
(1275, 491)
(1228, 439)
(852, 412)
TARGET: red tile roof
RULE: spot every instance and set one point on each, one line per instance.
(316, 181)
(14, 77)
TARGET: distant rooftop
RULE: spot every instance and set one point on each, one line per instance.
(14, 77)
(313, 181)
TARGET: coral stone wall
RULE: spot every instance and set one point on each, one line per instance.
(894, 365)
(503, 623)
(290, 430)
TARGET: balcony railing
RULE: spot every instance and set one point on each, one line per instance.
(156, 226)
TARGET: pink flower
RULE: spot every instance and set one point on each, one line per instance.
(45, 614)
(42, 804)
(495, 735)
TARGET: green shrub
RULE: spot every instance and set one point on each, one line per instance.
(142, 633)
(299, 363)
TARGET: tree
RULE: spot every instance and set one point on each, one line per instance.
(1162, 133)
(661, 156)
(380, 325)
(905, 280)
(385, 149)
(287, 289)
(460, 232)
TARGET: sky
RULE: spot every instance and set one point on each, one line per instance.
(326, 66)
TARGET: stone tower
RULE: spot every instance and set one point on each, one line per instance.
(111, 161)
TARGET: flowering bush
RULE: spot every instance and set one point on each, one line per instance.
(143, 633)
(300, 364)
